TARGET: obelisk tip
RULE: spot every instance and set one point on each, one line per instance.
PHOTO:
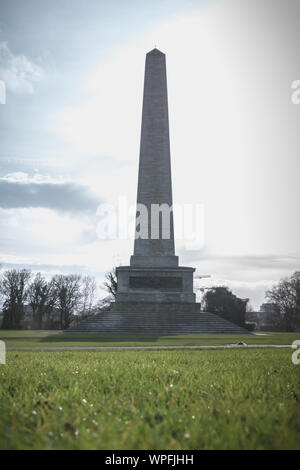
(155, 51)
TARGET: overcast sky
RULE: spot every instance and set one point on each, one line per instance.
(70, 130)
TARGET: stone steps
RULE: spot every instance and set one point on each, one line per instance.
(155, 307)
(167, 323)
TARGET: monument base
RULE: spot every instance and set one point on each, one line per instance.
(151, 284)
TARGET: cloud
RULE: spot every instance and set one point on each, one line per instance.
(245, 260)
(243, 266)
(19, 191)
(247, 275)
(51, 269)
(42, 237)
(17, 71)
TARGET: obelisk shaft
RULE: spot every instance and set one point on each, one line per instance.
(154, 179)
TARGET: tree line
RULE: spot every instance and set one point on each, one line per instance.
(74, 296)
(65, 295)
(283, 302)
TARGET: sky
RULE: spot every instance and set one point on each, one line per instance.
(70, 130)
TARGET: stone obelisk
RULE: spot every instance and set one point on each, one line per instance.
(154, 294)
(154, 275)
(154, 182)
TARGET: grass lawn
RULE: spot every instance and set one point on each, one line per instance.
(34, 338)
(215, 399)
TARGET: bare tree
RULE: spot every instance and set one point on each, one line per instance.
(41, 297)
(68, 296)
(14, 286)
(110, 283)
(88, 291)
(285, 297)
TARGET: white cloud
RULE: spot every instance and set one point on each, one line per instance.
(17, 71)
(42, 236)
(42, 233)
(20, 190)
(22, 177)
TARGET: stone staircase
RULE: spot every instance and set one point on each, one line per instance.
(160, 323)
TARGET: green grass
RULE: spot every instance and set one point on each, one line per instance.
(45, 338)
(216, 399)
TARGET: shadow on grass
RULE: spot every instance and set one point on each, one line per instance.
(140, 338)
(95, 338)
(23, 339)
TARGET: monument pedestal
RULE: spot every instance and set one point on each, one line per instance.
(155, 284)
